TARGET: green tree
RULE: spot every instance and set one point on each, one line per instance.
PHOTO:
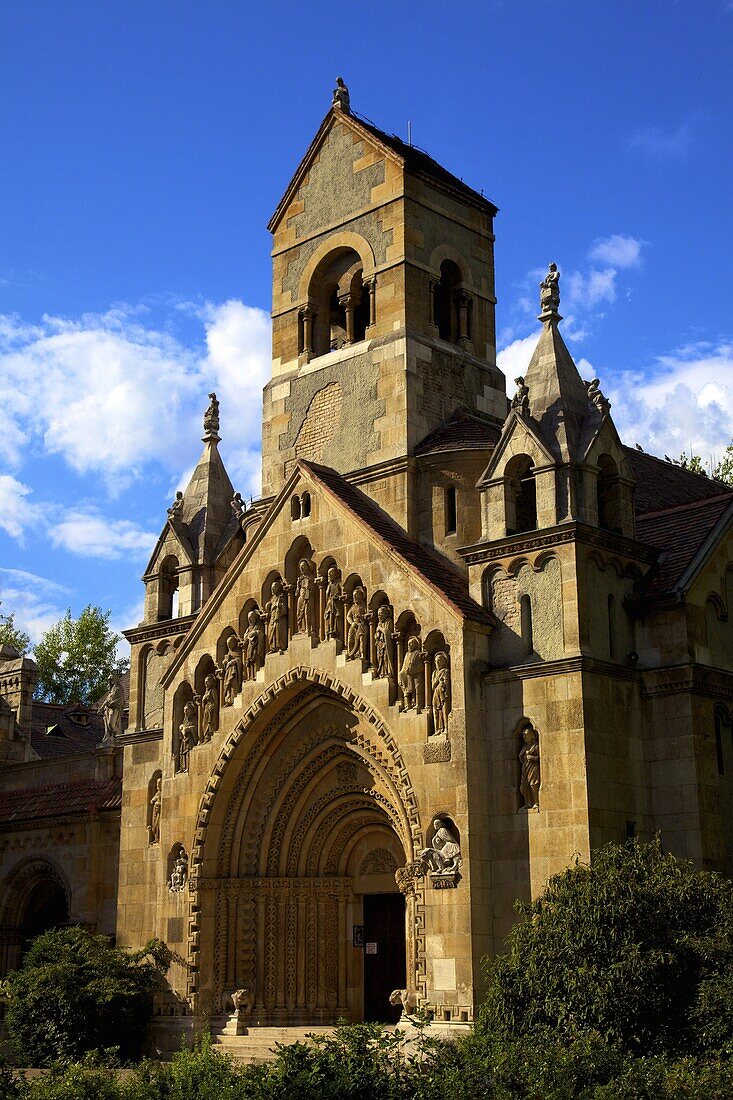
(637, 947)
(74, 993)
(76, 658)
(721, 471)
(724, 469)
(12, 635)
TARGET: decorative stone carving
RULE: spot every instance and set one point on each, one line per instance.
(357, 624)
(443, 857)
(596, 397)
(384, 644)
(305, 590)
(113, 704)
(254, 644)
(277, 618)
(529, 768)
(550, 291)
(155, 807)
(407, 877)
(333, 602)
(378, 862)
(209, 708)
(176, 507)
(231, 671)
(403, 997)
(187, 735)
(411, 674)
(520, 401)
(347, 773)
(211, 416)
(436, 751)
(241, 1001)
(441, 693)
(179, 874)
(341, 97)
(238, 505)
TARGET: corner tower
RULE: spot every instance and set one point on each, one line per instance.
(383, 308)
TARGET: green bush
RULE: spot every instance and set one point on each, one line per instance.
(74, 993)
(637, 947)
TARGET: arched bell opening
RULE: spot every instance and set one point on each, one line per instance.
(305, 826)
(35, 900)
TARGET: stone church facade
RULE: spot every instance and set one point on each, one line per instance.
(457, 641)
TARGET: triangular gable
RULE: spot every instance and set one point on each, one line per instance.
(182, 540)
(514, 422)
(403, 550)
(334, 116)
(606, 429)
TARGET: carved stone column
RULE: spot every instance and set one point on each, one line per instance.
(348, 304)
(370, 285)
(307, 316)
(464, 300)
(432, 292)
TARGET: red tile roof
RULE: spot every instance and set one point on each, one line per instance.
(66, 799)
(433, 569)
(462, 431)
(679, 533)
(661, 484)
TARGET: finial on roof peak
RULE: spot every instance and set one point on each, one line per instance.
(550, 295)
(341, 98)
(211, 419)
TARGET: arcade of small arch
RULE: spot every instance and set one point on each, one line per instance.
(308, 809)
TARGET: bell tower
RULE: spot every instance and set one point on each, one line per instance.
(383, 308)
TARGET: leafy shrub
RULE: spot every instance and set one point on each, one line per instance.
(637, 947)
(74, 993)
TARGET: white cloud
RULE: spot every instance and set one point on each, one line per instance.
(617, 251)
(37, 602)
(112, 396)
(514, 359)
(90, 535)
(17, 511)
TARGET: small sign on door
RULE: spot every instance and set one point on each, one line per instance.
(371, 949)
(357, 935)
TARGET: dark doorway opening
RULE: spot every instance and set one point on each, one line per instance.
(384, 968)
(47, 908)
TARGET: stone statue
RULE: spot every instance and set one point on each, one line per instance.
(357, 626)
(211, 416)
(240, 1001)
(341, 97)
(176, 507)
(231, 671)
(254, 644)
(411, 674)
(520, 401)
(596, 397)
(188, 735)
(441, 693)
(238, 505)
(210, 708)
(304, 592)
(113, 705)
(383, 644)
(443, 857)
(334, 599)
(550, 291)
(179, 874)
(277, 618)
(155, 804)
(529, 763)
(403, 997)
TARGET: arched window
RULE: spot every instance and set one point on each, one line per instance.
(525, 617)
(295, 508)
(446, 303)
(338, 310)
(168, 589)
(608, 494)
(451, 511)
(521, 495)
(305, 505)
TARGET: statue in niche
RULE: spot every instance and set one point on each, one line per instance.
(254, 644)
(277, 618)
(231, 671)
(529, 764)
(550, 291)
(383, 643)
(443, 857)
(187, 735)
(440, 684)
(209, 708)
(520, 401)
(176, 507)
(596, 397)
(113, 705)
(334, 599)
(357, 626)
(155, 806)
(411, 674)
(304, 592)
(211, 416)
(341, 97)
(179, 874)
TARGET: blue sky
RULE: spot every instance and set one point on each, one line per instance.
(145, 146)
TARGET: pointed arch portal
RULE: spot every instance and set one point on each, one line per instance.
(306, 818)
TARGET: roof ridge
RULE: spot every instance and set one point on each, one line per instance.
(685, 506)
(667, 464)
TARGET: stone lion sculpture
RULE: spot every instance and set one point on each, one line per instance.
(238, 1000)
(405, 998)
